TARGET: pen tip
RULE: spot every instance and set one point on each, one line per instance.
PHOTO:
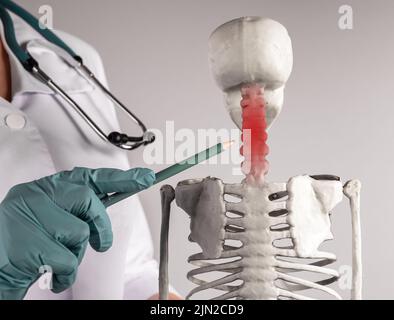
(227, 144)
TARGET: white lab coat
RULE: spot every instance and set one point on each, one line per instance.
(41, 135)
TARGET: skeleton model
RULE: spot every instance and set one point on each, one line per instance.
(266, 242)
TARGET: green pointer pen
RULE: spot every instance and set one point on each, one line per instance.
(169, 172)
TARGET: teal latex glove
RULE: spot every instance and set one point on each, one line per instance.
(49, 222)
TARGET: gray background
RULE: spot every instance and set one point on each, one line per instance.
(337, 116)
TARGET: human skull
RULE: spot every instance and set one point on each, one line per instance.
(251, 50)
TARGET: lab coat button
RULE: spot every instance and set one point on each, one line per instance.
(15, 121)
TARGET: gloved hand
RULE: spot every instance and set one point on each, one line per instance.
(49, 222)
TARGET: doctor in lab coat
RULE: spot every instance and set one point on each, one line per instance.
(40, 135)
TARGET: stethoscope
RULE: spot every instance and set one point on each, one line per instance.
(118, 139)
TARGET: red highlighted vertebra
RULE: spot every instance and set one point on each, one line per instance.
(254, 135)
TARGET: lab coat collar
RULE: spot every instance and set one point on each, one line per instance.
(23, 82)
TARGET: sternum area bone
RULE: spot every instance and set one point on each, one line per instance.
(254, 135)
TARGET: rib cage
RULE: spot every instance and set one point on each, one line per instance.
(278, 229)
(262, 264)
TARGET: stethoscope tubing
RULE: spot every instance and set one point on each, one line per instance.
(120, 140)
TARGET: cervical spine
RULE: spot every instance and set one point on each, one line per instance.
(254, 135)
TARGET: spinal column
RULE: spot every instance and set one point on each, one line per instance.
(254, 135)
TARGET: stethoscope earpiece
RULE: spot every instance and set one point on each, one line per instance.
(117, 138)
(123, 140)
